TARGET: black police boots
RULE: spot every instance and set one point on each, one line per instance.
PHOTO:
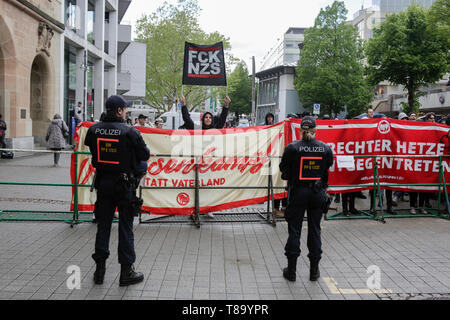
(99, 273)
(129, 276)
(314, 272)
(290, 272)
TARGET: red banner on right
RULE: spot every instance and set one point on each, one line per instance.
(409, 152)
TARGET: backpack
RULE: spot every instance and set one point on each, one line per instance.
(7, 155)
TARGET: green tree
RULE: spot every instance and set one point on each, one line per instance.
(439, 18)
(240, 89)
(330, 69)
(165, 33)
(406, 51)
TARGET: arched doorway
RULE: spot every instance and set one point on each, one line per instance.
(40, 101)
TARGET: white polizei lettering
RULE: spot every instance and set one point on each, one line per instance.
(203, 57)
(347, 147)
(215, 68)
(192, 55)
(204, 68)
(431, 148)
(408, 164)
(213, 56)
(401, 147)
(193, 68)
(412, 148)
(386, 145)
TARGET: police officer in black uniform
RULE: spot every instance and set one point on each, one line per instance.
(116, 150)
(305, 165)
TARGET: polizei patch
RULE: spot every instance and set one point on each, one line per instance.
(204, 65)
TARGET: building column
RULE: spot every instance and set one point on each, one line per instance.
(111, 84)
(81, 18)
(99, 78)
(81, 74)
(99, 24)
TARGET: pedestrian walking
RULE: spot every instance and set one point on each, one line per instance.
(117, 150)
(55, 137)
(305, 164)
(3, 128)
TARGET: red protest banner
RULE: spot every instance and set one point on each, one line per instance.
(409, 152)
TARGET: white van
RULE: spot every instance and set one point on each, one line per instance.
(173, 120)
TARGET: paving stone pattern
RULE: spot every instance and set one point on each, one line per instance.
(238, 261)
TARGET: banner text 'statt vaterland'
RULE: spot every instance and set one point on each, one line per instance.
(204, 65)
(226, 158)
(409, 151)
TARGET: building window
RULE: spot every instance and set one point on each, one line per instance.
(90, 22)
(71, 14)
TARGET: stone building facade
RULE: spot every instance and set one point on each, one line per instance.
(30, 68)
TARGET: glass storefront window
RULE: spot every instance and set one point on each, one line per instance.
(90, 22)
(71, 14)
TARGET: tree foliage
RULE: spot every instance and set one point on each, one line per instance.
(165, 32)
(240, 89)
(330, 70)
(406, 50)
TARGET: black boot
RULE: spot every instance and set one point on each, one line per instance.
(290, 272)
(314, 272)
(99, 273)
(129, 276)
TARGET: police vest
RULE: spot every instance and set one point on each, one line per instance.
(309, 161)
(110, 147)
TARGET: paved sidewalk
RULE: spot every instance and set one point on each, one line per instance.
(218, 261)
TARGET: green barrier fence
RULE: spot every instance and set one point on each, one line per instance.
(75, 216)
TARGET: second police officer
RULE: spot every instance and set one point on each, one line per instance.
(116, 151)
(305, 165)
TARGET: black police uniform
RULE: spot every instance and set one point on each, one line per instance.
(305, 165)
(116, 150)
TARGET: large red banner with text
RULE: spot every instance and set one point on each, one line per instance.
(227, 159)
(409, 152)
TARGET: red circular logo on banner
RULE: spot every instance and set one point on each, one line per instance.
(384, 127)
(183, 199)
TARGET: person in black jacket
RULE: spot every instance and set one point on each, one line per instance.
(305, 165)
(270, 120)
(117, 149)
(207, 119)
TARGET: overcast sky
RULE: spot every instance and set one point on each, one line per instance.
(253, 26)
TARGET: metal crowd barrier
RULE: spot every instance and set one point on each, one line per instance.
(267, 216)
(377, 194)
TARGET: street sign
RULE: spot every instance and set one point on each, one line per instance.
(316, 109)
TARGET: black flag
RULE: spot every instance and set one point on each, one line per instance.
(204, 65)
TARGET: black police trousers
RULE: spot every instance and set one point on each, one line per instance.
(112, 194)
(303, 199)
